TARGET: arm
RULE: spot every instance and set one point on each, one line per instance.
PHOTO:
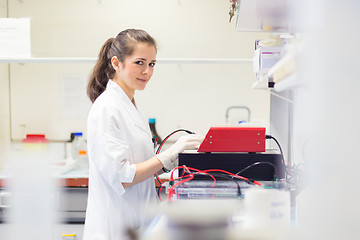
(167, 159)
(145, 170)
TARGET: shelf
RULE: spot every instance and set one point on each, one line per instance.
(159, 60)
(263, 15)
(283, 68)
(282, 75)
(261, 83)
(47, 60)
(290, 82)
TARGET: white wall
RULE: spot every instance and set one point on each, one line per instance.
(192, 96)
(4, 99)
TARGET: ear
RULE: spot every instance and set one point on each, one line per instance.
(115, 63)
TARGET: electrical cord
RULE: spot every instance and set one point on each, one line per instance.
(257, 163)
(159, 192)
(219, 175)
(281, 152)
(210, 172)
(168, 136)
(161, 145)
(225, 176)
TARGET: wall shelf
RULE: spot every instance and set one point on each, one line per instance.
(289, 82)
(159, 60)
(261, 83)
(263, 16)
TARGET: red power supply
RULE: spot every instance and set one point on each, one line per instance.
(234, 139)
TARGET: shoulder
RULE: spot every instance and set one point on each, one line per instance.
(105, 106)
(107, 100)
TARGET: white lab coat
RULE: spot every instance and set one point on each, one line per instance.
(118, 138)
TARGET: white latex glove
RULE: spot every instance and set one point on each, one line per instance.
(169, 157)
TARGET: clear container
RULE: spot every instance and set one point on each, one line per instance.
(79, 150)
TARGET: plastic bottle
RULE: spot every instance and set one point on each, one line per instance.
(79, 150)
(156, 138)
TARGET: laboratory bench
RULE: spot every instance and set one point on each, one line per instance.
(70, 200)
(70, 196)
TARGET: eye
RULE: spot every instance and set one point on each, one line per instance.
(152, 64)
(139, 62)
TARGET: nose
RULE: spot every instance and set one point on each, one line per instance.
(147, 70)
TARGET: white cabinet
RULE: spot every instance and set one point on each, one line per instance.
(58, 230)
(263, 15)
(71, 231)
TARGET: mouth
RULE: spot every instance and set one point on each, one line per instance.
(142, 80)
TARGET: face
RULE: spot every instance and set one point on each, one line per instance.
(136, 70)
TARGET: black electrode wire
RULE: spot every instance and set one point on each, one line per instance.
(157, 178)
(229, 178)
(257, 163)
(282, 154)
(162, 143)
(166, 138)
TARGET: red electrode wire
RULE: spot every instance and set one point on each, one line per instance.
(161, 145)
(190, 176)
(234, 175)
(203, 172)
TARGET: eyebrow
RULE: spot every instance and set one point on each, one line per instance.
(145, 59)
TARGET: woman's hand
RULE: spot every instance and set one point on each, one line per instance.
(169, 158)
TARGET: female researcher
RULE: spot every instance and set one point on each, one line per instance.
(120, 147)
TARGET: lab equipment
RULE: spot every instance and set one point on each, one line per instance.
(234, 139)
(265, 166)
(204, 189)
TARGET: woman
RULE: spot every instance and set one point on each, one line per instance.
(120, 147)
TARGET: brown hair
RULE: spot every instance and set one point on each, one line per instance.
(122, 46)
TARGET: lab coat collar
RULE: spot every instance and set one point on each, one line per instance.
(135, 113)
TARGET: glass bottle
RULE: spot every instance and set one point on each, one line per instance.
(79, 150)
(155, 136)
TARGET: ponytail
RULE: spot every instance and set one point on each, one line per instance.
(101, 73)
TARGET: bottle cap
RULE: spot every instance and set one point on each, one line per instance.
(152, 120)
(78, 134)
